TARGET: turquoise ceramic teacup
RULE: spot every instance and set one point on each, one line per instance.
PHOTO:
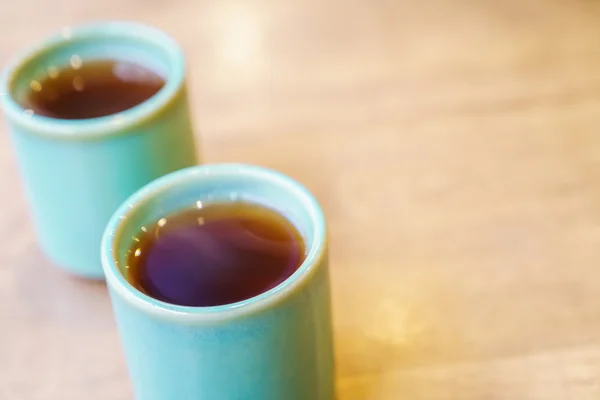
(77, 172)
(275, 346)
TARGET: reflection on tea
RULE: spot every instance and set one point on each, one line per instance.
(214, 254)
(91, 89)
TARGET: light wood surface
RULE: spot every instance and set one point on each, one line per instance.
(455, 147)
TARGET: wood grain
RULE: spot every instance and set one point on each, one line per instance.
(454, 146)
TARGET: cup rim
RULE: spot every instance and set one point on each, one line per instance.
(117, 281)
(101, 126)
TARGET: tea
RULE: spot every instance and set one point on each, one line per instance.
(214, 254)
(92, 89)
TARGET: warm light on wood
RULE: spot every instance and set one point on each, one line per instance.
(455, 147)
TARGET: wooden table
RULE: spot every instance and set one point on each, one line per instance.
(455, 147)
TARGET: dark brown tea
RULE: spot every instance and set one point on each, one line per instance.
(214, 254)
(92, 89)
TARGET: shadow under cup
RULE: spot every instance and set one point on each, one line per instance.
(277, 345)
(76, 172)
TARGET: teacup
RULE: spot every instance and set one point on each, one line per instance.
(274, 346)
(76, 172)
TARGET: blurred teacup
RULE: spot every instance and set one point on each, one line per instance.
(81, 156)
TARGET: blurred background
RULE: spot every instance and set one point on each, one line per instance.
(454, 147)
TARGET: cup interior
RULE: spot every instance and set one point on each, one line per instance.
(213, 184)
(118, 41)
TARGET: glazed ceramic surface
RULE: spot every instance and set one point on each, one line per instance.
(77, 172)
(275, 346)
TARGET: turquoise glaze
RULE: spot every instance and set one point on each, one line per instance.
(77, 172)
(275, 346)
